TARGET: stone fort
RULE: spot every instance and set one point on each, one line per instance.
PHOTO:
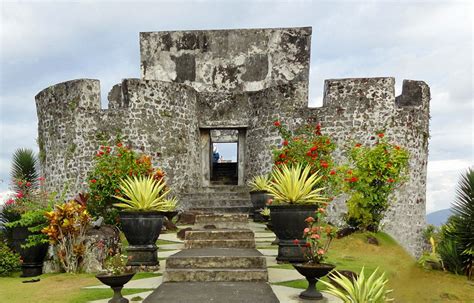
(199, 88)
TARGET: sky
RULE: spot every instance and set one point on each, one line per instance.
(46, 42)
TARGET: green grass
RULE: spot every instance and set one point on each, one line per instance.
(86, 295)
(59, 288)
(410, 282)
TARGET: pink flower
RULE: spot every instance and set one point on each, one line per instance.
(309, 220)
(269, 201)
(306, 230)
(321, 251)
(20, 195)
(315, 236)
(28, 184)
(9, 202)
(321, 210)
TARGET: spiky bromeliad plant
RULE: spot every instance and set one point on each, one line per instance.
(144, 194)
(461, 226)
(295, 185)
(259, 183)
(361, 290)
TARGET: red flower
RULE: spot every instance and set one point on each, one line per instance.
(307, 244)
(28, 184)
(332, 172)
(93, 181)
(321, 210)
(9, 202)
(119, 144)
(309, 154)
(282, 156)
(309, 220)
(381, 135)
(285, 143)
(358, 145)
(397, 147)
(296, 241)
(314, 148)
(349, 172)
(277, 123)
(20, 183)
(20, 195)
(324, 164)
(390, 180)
(353, 179)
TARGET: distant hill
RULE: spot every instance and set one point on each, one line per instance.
(439, 217)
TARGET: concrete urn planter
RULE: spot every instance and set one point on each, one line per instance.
(141, 229)
(288, 224)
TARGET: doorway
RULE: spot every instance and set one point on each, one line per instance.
(223, 156)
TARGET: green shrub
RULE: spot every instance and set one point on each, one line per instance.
(111, 165)
(372, 174)
(9, 261)
(461, 227)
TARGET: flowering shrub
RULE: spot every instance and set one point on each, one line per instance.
(307, 146)
(115, 264)
(26, 209)
(318, 237)
(67, 227)
(112, 164)
(373, 173)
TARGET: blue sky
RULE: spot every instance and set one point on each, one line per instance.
(45, 42)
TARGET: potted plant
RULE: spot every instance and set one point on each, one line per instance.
(116, 275)
(318, 236)
(259, 195)
(24, 216)
(296, 196)
(141, 220)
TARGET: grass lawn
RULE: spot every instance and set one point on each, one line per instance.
(410, 282)
(59, 288)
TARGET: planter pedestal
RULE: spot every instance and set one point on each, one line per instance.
(313, 273)
(143, 255)
(116, 283)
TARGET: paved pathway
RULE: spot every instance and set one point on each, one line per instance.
(263, 239)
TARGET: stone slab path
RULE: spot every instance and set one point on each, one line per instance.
(275, 275)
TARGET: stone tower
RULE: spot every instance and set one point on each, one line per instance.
(198, 88)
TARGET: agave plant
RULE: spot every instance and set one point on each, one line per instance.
(295, 185)
(24, 167)
(143, 194)
(259, 183)
(361, 289)
(462, 222)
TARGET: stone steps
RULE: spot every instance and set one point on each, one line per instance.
(215, 275)
(222, 221)
(220, 234)
(231, 243)
(217, 258)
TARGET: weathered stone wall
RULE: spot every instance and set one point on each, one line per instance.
(170, 112)
(227, 60)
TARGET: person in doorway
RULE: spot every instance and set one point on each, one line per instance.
(215, 155)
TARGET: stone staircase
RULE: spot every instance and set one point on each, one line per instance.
(218, 198)
(218, 255)
(219, 264)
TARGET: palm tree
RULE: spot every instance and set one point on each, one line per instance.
(24, 167)
(462, 224)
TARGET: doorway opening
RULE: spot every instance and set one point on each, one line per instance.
(224, 167)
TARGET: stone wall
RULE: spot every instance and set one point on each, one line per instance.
(227, 60)
(171, 111)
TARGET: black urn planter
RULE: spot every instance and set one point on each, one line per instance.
(141, 229)
(169, 215)
(312, 273)
(116, 282)
(32, 257)
(288, 224)
(259, 200)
